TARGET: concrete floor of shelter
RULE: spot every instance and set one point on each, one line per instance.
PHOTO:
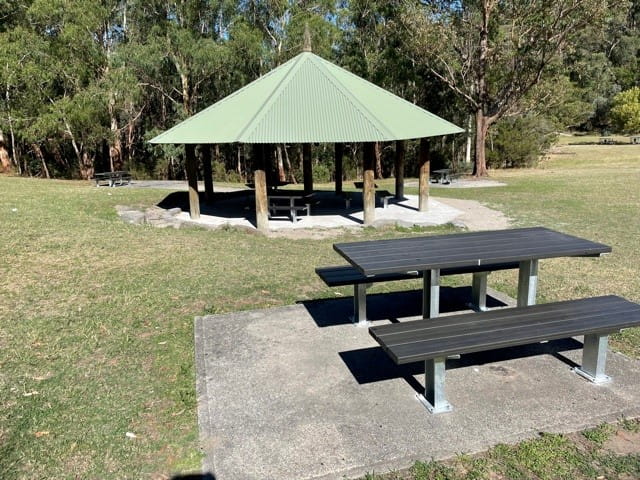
(298, 392)
(328, 210)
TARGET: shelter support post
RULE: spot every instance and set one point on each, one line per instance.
(431, 293)
(208, 174)
(307, 168)
(368, 184)
(527, 282)
(338, 154)
(594, 358)
(434, 398)
(260, 183)
(424, 175)
(399, 169)
(192, 179)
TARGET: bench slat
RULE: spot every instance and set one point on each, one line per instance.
(349, 275)
(476, 332)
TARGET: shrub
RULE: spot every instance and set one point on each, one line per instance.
(519, 141)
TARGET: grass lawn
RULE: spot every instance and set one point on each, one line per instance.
(96, 317)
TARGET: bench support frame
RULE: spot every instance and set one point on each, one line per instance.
(434, 397)
(594, 359)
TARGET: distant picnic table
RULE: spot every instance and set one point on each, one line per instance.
(112, 179)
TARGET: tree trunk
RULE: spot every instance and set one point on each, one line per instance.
(282, 176)
(86, 165)
(5, 162)
(38, 151)
(377, 148)
(482, 127)
(292, 177)
(115, 149)
(467, 154)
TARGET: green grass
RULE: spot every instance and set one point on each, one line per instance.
(96, 316)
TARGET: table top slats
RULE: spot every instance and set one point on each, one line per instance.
(457, 250)
(469, 333)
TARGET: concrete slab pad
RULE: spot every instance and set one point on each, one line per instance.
(298, 392)
(329, 213)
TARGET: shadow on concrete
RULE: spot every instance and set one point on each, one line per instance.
(195, 476)
(391, 306)
(369, 365)
(240, 204)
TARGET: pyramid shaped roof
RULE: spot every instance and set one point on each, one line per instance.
(308, 100)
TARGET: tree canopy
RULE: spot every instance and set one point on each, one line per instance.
(84, 84)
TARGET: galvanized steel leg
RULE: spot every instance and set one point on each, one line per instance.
(479, 291)
(594, 358)
(431, 293)
(527, 282)
(360, 305)
(434, 398)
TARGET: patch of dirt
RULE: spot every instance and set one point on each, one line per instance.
(476, 216)
(624, 442)
(309, 233)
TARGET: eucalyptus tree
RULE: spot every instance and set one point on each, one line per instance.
(493, 54)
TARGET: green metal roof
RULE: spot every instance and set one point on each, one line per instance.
(306, 100)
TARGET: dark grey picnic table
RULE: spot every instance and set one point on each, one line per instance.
(430, 254)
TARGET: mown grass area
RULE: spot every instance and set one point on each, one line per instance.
(96, 316)
(592, 454)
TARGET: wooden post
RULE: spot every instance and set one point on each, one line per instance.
(192, 178)
(307, 168)
(208, 174)
(399, 169)
(424, 175)
(368, 187)
(338, 154)
(260, 183)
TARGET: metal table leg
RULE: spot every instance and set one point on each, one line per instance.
(527, 282)
(594, 358)
(434, 398)
(431, 293)
(360, 305)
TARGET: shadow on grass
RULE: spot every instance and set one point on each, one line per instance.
(369, 365)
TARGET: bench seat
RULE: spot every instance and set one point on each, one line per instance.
(342, 275)
(432, 340)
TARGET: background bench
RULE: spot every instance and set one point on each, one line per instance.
(432, 340)
(112, 179)
(348, 275)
